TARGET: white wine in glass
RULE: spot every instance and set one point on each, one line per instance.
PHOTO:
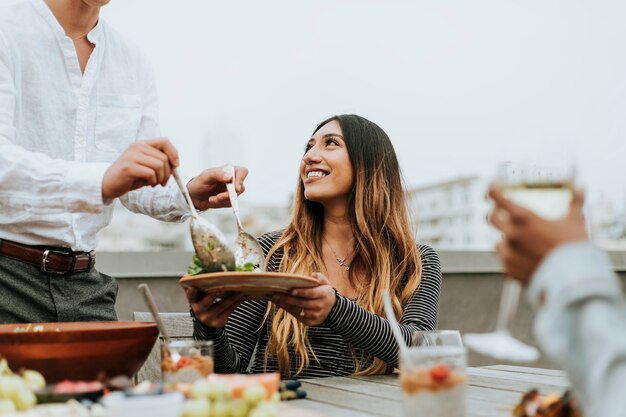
(550, 200)
(547, 190)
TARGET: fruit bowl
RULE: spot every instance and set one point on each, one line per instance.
(78, 350)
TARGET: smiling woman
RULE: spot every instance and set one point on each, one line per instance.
(350, 230)
(326, 169)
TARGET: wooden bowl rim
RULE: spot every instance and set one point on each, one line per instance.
(74, 331)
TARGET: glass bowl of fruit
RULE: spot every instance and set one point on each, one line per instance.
(186, 360)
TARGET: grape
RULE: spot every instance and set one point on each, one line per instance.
(254, 394)
(4, 367)
(220, 409)
(201, 389)
(33, 380)
(198, 407)
(264, 409)
(24, 398)
(17, 393)
(10, 385)
(98, 410)
(221, 390)
(238, 408)
(6, 406)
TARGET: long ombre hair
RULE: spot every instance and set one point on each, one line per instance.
(386, 253)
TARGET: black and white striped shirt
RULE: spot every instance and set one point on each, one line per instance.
(347, 325)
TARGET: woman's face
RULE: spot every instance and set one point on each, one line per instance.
(326, 169)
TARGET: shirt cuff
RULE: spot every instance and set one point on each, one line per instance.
(178, 209)
(84, 189)
(572, 272)
(180, 202)
(204, 332)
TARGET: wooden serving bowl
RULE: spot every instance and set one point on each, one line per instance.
(78, 350)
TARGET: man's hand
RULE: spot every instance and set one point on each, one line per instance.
(528, 238)
(145, 162)
(208, 190)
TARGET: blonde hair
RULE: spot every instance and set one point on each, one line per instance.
(385, 250)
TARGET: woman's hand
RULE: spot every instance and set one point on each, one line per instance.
(311, 306)
(213, 309)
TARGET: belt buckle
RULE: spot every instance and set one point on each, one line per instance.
(44, 262)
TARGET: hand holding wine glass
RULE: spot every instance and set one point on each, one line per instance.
(541, 192)
(529, 238)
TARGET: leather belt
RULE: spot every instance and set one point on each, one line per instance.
(49, 259)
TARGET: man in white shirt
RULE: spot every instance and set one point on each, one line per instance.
(78, 129)
(581, 311)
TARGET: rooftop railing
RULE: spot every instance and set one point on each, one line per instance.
(469, 300)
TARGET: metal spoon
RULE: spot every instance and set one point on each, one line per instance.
(208, 241)
(247, 248)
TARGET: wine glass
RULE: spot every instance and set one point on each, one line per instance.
(548, 191)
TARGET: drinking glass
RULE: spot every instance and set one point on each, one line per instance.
(186, 360)
(548, 191)
(437, 338)
(433, 380)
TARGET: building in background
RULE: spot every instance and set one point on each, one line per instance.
(452, 214)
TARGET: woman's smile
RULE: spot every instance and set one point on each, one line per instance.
(314, 175)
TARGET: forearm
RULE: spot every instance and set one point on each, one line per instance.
(370, 332)
(162, 203)
(582, 325)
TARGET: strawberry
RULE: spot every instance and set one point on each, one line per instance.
(440, 372)
(183, 361)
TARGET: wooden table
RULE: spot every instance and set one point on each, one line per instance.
(492, 392)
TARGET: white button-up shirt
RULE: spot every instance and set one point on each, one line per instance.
(61, 129)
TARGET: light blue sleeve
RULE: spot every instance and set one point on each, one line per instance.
(581, 325)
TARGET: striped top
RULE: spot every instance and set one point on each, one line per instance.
(348, 325)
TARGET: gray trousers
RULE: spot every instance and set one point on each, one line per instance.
(28, 295)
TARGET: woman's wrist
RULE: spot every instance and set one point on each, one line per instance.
(206, 328)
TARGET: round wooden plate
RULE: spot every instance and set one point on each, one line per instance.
(255, 284)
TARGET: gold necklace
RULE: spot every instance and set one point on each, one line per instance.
(342, 261)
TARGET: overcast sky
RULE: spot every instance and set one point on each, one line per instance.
(458, 85)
